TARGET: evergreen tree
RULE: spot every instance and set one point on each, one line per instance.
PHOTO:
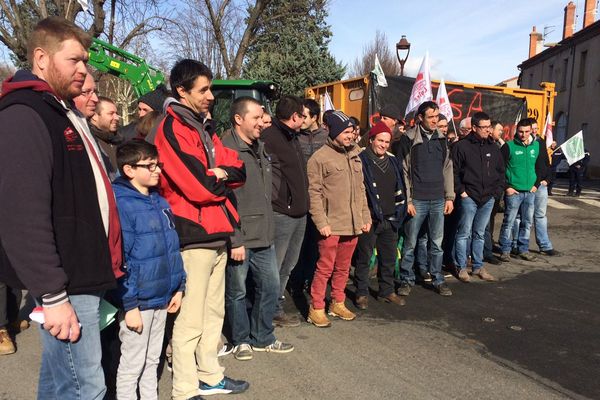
(291, 46)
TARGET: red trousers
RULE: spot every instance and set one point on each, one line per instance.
(335, 256)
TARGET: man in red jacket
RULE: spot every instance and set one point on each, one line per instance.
(198, 176)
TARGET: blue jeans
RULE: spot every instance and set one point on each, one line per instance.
(471, 228)
(258, 329)
(289, 234)
(434, 209)
(73, 370)
(525, 202)
(540, 220)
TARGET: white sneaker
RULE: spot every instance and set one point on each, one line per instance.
(243, 352)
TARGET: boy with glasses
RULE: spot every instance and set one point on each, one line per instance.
(154, 278)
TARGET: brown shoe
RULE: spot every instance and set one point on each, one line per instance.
(6, 344)
(362, 302)
(463, 275)
(318, 318)
(339, 310)
(483, 274)
(394, 299)
(19, 326)
(286, 320)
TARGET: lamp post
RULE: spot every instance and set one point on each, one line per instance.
(402, 45)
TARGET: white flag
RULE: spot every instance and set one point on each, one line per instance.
(443, 101)
(421, 90)
(573, 148)
(327, 103)
(378, 71)
(548, 131)
(84, 5)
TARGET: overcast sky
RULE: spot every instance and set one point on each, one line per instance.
(468, 41)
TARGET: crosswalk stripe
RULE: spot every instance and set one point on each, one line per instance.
(591, 202)
(561, 206)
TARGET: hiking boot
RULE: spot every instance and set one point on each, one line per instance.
(443, 289)
(6, 344)
(276, 347)
(393, 298)
(484, 275)
(505, 257)
(284, 320)
(318, 318)
(362, 302)
(492, 260)
(226, 386)
(404, 289)
(550, 252)
(463, 275)
(514, 252)
(527, 256)
(339, 310)
(243, 352)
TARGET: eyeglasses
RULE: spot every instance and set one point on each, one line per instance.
(89, 92)
(150, 167)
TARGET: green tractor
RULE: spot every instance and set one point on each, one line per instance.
(145, 78)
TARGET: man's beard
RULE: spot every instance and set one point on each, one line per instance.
(61, 84)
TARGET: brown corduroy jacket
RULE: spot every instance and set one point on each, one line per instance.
(336, 190)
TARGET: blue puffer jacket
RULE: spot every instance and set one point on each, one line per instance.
(153, 264)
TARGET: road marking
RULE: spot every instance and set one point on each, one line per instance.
(591, 202)
(561, 206)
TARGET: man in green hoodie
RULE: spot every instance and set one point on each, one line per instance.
(520, 157)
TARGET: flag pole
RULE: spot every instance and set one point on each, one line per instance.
(454, 125)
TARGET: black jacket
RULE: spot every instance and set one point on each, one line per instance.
(478, 168)
(290, 182)
(51, 237)
(257, 227)
(373, 195)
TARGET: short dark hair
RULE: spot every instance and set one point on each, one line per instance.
(355, 121)
(443, 117)
(479, 116)
(496, 122)
(240, 107)
(50, 32)
(287, 106)
(313, 107)
(428, 105)
(134, 151)
(524, 122)
(102, 99)
(184, 74)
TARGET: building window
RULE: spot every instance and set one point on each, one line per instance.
(582, 62)
(551, 73)
(563, 83)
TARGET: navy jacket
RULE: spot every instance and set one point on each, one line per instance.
(373, 196)
(153, 264)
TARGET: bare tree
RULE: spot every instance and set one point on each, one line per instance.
(365, 63)
(218, 32)
(17, 19)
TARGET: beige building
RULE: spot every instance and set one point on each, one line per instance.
(574, 65)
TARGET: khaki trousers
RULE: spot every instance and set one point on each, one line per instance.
(198, 326)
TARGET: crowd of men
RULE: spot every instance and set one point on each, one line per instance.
(282, 203)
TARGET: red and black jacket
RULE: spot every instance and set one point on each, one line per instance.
(200, 201)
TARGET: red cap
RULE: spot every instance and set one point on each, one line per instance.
(378, 128)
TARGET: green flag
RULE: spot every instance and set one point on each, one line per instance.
(573, 148)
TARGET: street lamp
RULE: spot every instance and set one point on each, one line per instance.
(402, 45)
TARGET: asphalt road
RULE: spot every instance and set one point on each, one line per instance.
(535, 334)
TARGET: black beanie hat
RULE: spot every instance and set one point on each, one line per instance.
(337, 122)
(156, 98)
